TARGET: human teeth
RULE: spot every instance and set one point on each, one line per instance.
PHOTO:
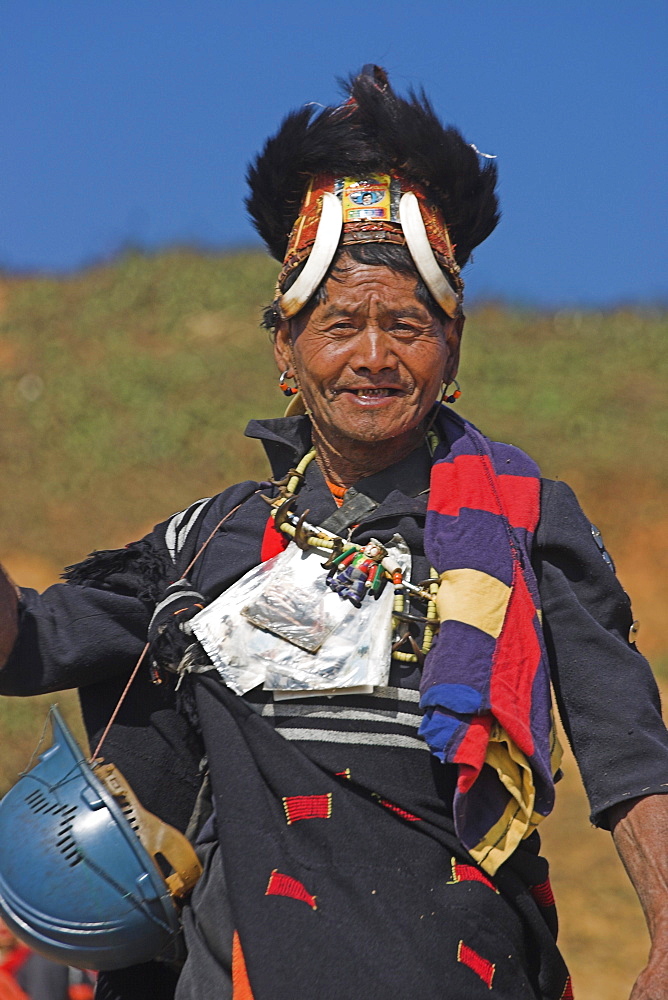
(372, 392)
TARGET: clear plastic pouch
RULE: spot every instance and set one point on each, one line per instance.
(306, 637)
(295, 602)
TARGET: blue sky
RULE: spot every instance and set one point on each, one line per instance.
(132, 123)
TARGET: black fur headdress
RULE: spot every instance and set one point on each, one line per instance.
(374, 131)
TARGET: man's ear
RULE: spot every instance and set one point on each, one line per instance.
(453, 337)
(283, 346)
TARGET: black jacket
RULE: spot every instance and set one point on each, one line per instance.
(88, 632)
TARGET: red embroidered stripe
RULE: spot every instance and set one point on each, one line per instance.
(273, 541)
(468, 873)
(343, 774)
(307, 807)
(480, 965)
(399, 811)
(459, 484)
(286, 885)
(542, 893)
(568, 991)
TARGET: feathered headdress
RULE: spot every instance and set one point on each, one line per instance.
(377, 168)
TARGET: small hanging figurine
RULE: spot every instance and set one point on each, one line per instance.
(353, 572)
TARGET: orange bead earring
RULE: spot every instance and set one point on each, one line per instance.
(287, 390)
(453, 396)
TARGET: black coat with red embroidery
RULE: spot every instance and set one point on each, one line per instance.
(89, 632)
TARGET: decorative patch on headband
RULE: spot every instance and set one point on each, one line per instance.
(370, 207)
(364, 198)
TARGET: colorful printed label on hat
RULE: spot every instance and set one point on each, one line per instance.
(365, 198)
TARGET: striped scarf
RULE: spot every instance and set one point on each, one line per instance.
(485, 688)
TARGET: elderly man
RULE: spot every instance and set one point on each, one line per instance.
(376, 768)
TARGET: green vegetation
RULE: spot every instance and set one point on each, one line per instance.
(125, 390)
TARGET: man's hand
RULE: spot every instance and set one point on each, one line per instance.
(9, 623)
(640, 832)
(652, 983)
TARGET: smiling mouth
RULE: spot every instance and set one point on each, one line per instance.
(371, 392)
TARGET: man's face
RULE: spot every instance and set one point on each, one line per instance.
(370, 359)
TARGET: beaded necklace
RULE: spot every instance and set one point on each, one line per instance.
(297, 529)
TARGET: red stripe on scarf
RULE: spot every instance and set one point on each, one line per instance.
(470, 754)
(521, 498)
(516, 659)
(459, 484)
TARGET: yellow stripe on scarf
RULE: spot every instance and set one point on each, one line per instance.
(474, 598)
(519, 819)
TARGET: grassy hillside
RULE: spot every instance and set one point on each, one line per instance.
(124, 391)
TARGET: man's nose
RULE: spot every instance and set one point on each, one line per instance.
(374, 350)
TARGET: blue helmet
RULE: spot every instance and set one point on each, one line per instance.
(87, 876)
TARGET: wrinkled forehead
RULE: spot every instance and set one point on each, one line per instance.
(360, 286)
